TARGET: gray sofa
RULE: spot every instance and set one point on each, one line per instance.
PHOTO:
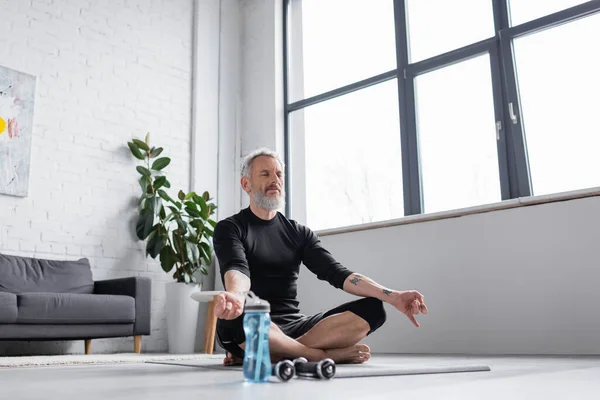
(59, 300)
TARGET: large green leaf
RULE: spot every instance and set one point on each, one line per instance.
(212, 223)
(144, 171)
(165, 196)
(144, 224)
(144, 183)
(135, 151)
(178, 244)
(160, 163)
(163, 214)
(198, 224)
(193, 253)
(159, 182)
(141, 145)
(203, 207)
(193, 212)
(191, 205)
(156, 152)
(192, 233)
(156, 204)
(168, 258)
(208, 232)
(207, 252)
(202, 251)
(182, 225)
(155, 245)
(190, 195)
(173, 209)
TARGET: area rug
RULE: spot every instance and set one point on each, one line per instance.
(119, 358)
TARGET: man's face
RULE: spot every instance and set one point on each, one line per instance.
(265, 186)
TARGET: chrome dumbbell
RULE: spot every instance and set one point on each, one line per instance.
(283, 370)
(324, 369)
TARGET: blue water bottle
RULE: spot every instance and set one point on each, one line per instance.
(257, 322)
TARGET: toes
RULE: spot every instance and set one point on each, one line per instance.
(364, 348)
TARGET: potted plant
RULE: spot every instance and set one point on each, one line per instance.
(179, 232)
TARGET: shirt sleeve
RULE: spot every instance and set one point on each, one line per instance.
(229, 248)
(320, 261)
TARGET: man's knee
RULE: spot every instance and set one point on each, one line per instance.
(372, 311)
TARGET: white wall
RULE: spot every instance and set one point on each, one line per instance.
(106, 71)
(516, 281)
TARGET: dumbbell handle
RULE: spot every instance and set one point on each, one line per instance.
(324, 369)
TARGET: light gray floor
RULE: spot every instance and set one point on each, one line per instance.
(511, 378)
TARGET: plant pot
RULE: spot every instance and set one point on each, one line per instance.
(182, 317)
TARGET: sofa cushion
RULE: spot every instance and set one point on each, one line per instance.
(8, 308)
(25, 275)
(73, 308)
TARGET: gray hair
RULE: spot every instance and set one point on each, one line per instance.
(247, 164)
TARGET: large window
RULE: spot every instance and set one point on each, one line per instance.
(354, 175)
(401, 107)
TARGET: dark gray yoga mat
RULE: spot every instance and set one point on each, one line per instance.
(356, 371)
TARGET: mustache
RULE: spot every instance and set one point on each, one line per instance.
(272, 187)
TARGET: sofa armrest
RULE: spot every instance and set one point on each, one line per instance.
(137, 287)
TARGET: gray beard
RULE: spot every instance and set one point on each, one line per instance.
(268, 203)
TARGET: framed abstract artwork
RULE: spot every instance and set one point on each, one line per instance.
(17, 96)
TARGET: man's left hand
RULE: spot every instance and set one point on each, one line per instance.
(410, 303)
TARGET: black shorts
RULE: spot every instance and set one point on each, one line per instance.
(230, 333)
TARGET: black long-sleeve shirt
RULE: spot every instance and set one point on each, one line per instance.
(270, 253)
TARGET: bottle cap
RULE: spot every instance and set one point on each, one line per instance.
(255, 303)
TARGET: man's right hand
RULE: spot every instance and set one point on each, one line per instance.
(228, 305)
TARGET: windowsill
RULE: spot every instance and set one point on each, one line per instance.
(503, 205)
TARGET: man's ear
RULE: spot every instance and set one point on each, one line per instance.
(245, 184)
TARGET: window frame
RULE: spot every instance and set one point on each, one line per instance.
(514, 174)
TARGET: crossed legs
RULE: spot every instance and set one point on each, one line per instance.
(336, 336)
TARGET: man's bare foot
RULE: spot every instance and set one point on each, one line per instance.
(231, 360)
(357, 354)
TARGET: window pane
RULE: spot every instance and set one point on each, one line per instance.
(457, 136)
(559, 85)
(522, 11)
(353, 161)
(438, 26)
(344, 41)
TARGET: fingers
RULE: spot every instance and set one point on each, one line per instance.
(421, 299)
(415, 307)
(227, 306)
(219, 305)
(413, 320)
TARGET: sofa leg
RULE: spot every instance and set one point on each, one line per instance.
(88, 346)
(137, 344)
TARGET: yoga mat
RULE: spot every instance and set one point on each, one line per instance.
(355, 371)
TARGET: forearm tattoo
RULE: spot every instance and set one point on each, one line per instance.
(357, 278)
(387, 292)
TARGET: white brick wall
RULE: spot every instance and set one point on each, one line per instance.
(107, 70)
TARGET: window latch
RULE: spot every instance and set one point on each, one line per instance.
(511, 112)
(498, 129)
